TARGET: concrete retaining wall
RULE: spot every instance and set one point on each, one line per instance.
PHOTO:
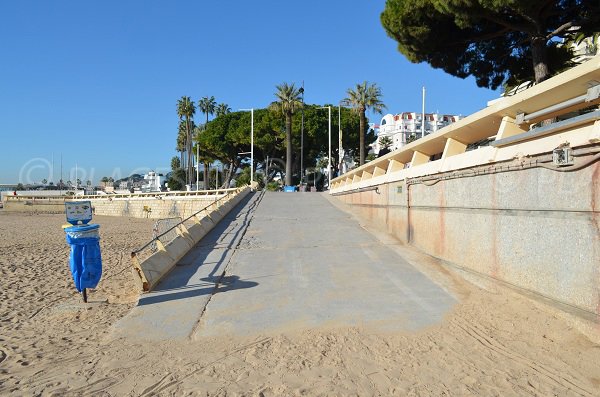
(149, 207)
(537, 229)
(153, 268)
(152, 207)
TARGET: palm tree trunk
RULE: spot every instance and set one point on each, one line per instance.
(361, 135)
(205, 175)
(288, 151)
(189, 150)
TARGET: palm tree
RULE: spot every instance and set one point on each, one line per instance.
(288, 100)
(198, 130)
(181, 141)
(207, 106)
(365, 96)
(185, 111)
(222, 108)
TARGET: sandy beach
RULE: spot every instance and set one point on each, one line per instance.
(493, 343)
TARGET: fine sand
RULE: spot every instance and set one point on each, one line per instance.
(494, 343)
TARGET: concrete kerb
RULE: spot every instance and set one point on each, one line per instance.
(152, 269)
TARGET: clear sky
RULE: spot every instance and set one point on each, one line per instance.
(98, 81)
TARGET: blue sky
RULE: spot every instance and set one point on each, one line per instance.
(98, 81)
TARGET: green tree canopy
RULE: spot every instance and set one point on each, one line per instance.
(227, 136)
(175, 163)
(495, 41)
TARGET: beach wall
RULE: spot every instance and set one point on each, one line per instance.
(140, 205)
(522, 209)
(537, 229)
(36, 204)
(152, 207)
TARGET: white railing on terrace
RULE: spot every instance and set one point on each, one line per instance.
(507, 122)
(175, 194)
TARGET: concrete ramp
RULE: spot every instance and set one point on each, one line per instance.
(172, 310)
(315, 266)
(292, 261)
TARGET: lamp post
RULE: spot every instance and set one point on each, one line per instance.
(329, 152)
(340, 154)
(302, 138)
(251, 144)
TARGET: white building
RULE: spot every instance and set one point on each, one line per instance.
(400, 127)
(154, 182)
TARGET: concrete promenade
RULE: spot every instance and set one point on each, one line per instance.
(283, 261)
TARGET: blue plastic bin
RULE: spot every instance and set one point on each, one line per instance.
(289, 188)
(85, 260)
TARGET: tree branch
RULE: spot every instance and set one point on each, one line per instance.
(484, 37)
(516, 27)
(560, 29)
(544, 5)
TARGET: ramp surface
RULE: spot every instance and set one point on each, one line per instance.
(292, 261)
(172, 310)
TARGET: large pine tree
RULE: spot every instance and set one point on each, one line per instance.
(496, 41)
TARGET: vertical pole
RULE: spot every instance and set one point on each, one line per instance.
(61, 176)
(340, 158)
(217, 178)
(252, 147)
(329, 153)
(198, 166)
(302, 139)
(423, 115)
(76, 184)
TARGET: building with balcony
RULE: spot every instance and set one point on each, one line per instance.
(405, 127)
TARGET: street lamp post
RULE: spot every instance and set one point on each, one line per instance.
(329, 152)
(340, 154)
(302, 138)
(251, 144)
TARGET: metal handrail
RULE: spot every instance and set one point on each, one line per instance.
(230, 191)
(123, 195)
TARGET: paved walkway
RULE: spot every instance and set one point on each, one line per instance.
(290, 261)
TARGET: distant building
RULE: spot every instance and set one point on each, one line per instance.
(153, 182)
(106, 186)
(402, 126)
